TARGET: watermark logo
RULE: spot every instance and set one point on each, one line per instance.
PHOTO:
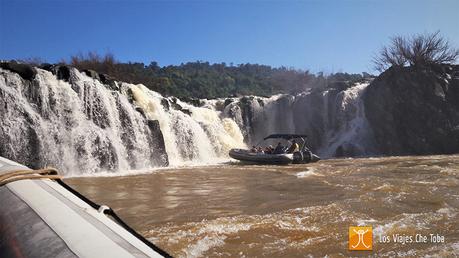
(360, 238)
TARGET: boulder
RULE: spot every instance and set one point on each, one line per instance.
(109, 81)
(227, 102)
(26, 71)
(193, 101)
(141, 111)
(62, 72)
(186, 111)
(414, 110)
(91, 73)
(175, 106)
(165, 104)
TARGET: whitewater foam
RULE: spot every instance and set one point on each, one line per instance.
(192, 134)
(308, 173)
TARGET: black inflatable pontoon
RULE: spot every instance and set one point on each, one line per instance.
(304, 155)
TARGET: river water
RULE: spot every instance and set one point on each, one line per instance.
(234, 210)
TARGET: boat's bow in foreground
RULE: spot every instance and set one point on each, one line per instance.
(41, 217)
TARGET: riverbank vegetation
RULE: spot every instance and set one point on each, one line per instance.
(204, 80)
(419, 50)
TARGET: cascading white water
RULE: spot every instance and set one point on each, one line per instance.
(84, 126)
(353, 133)
(192, 134)
(79, 127)
(334, 120)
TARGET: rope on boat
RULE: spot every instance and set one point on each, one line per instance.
(16, 175)
(52, 173)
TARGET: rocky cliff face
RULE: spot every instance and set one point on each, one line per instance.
(415, 110)
(334, 119)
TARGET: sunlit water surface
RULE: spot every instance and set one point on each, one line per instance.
(235, 210)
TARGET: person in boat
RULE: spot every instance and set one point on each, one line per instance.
(254, 149)
(279, 149)
(260, 150)
(269, 149)
(294, 147)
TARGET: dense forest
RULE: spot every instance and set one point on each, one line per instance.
(205, 80)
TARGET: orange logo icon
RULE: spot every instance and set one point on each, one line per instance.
(360, 238)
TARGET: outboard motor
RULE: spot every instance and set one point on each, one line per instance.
(297, 157)
(305, 156)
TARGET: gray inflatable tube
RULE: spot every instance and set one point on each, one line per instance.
(46, 218)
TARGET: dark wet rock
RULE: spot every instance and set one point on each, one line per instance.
(314, 107)
(26, 71)
(30, 88)
(219, 105)
(130, 95)
(176, 106)
(46, 66)
(159, 155)
(27, 153)
(193, 101)
(339, 152)
(340, 85)
(227, 102)
(415, 110)
(245, 103)
(141, 111)
(347, 150)
(127, 130)
(165, 104)
(260, 102)
(105, 153)
(62, 72)
(109, 81)
(91, 73)
(186, 111)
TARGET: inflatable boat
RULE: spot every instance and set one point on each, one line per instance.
(303, 155)
(41, 216)
(249, 156)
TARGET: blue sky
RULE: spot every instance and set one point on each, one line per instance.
(330, 36)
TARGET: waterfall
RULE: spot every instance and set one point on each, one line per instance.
(351, 134)
(192, 134)
(333, 119)
(80, 125)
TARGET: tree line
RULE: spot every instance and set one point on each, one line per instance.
(204, 80)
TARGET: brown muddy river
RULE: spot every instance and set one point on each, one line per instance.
(237, 210)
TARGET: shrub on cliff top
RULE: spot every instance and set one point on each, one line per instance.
(418, 50)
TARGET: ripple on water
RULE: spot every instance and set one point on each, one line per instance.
(307, 173)
(297, 210)
(287, 231)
